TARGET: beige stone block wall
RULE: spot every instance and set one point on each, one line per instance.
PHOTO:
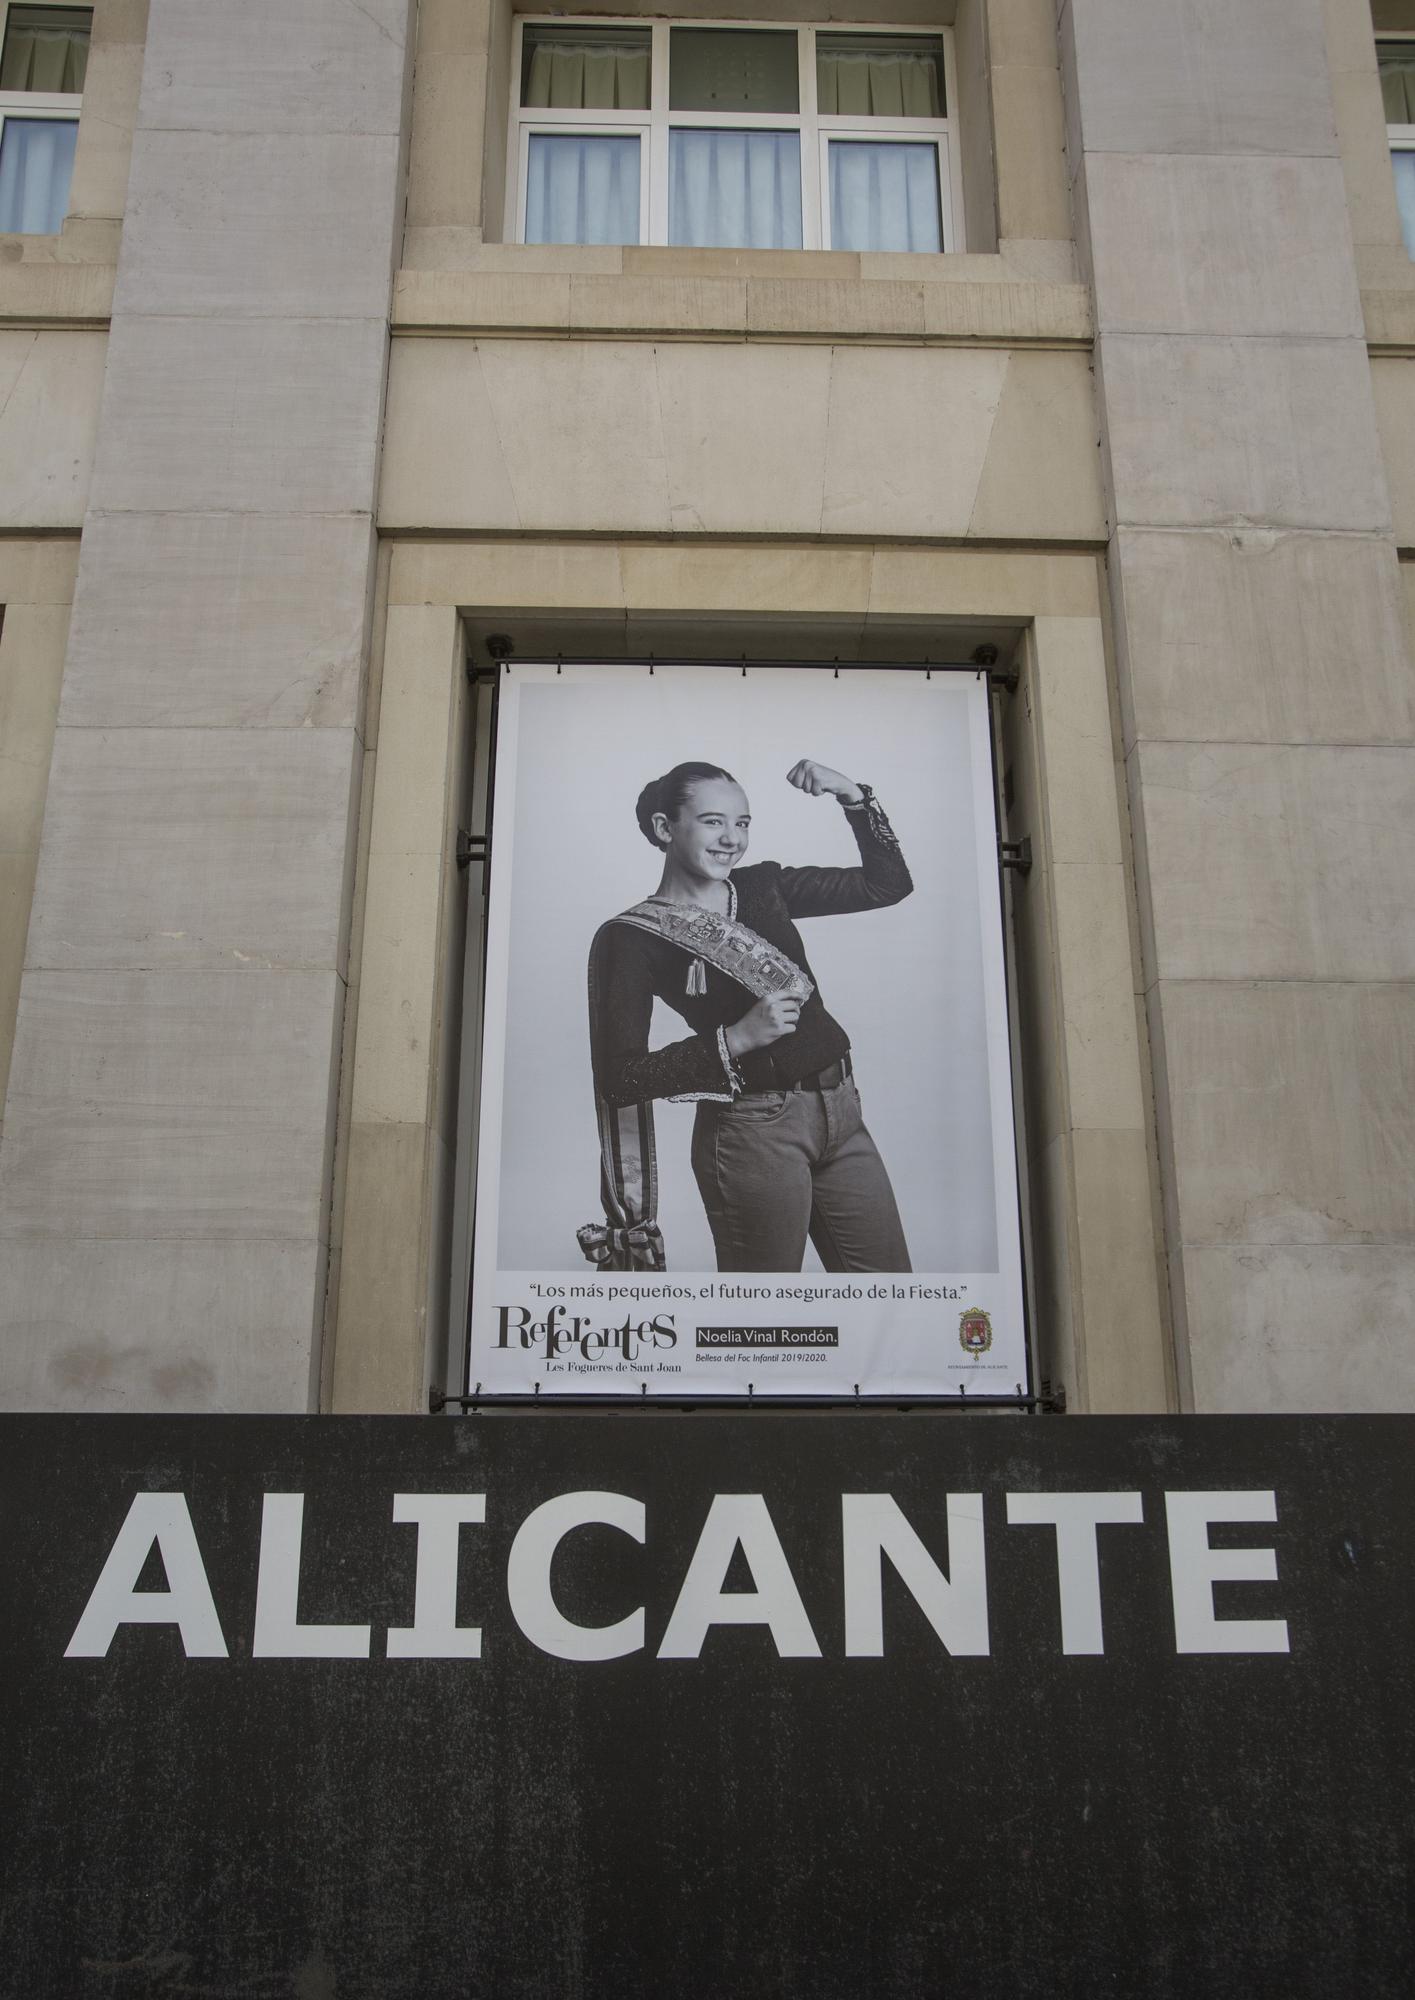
(1393, 381)
(392, 1249)
(1084, 1062)
(166, 1169)
(609, 436)
(1028, 121)
(1098, 1280)
(51, 383)
(1361, 123)
(1254, 462)
(36, 592)
(111, 87)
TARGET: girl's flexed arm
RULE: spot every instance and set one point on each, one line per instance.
(881, 878)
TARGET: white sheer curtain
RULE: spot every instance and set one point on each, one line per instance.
(734, 190)
(884, 195)
(868, 83)
(1404, 165)
(589, 76)
(582, 189)
(36, 160)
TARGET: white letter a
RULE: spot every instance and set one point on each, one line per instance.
(187, 1602)
(702, 1602)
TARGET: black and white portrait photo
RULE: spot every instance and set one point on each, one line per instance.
(745, 1020)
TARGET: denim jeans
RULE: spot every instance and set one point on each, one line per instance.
(777, 1166)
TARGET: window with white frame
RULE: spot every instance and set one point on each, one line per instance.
(1396, 56)
(43, 57)
(720, 135)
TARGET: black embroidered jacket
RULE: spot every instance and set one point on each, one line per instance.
(630, 968)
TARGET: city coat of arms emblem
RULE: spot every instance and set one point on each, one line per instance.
(974, 1331)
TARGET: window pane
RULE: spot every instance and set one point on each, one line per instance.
(879, 76)
(590, 69)
(884, 196)
(1397, 60)
(46, 48)
(582, 189)
(733, 69)
(735, 190)
(1404, 164)
(36, 159)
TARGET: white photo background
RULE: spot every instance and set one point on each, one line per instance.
(905, 983)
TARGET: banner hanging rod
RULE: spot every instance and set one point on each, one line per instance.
(983, 661)
(1051, 1402)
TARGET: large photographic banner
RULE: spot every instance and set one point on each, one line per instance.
(746, 1105)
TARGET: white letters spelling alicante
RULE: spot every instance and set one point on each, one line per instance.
(186, 1603)
(955, 1605)
(874, 1530)
(279, 1635)
(1076, 1516)
(702, 1602)
(528, 1577)
(1194, 1569)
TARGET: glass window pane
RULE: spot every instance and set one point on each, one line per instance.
(733, 69)
(582, 189)
(1404, 164)
(884, 196)
(36, 159)
(1397, 61)
(879, 76)
(589, 69)
(735, 190)
(46, 48)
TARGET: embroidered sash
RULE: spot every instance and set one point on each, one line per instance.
(733, 948)
(629, 1238)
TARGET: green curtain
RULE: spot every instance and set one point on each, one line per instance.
(1398, 87)
(591, 76)
(871, 84)
(44, 56)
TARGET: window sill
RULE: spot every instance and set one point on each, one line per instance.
(1387, 275)
(1023, 296)
(63, 280)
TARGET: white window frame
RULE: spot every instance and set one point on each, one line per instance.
(654, 125)
(1400, 138)
(61, 106)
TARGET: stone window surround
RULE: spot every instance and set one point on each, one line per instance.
(67, 280)
(1009, 117)
(1095, 1265)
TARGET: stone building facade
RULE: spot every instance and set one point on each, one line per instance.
(289, 429)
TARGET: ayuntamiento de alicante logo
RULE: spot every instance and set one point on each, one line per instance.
(974, 1331)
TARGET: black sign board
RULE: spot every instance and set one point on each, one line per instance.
(766, 1703)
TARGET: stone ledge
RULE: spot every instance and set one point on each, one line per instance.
(38, 292)
(1390, 318)
(545, 298)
